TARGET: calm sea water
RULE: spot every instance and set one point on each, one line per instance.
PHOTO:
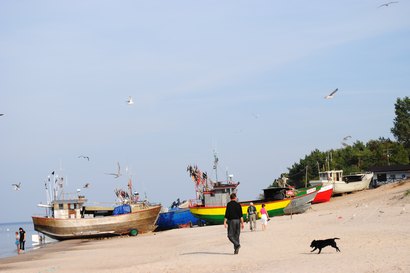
(8, 237)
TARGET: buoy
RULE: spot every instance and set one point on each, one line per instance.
(133, 232)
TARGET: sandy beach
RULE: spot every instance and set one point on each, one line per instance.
(373, 227)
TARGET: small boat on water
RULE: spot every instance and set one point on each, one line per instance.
(71, 218)
(343, 183)
(177, 216)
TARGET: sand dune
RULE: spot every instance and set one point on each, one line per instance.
(373, 227)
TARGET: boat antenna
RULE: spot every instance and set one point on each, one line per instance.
(306, 176)
(216, 159)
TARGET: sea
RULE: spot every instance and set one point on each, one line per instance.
(8, 236)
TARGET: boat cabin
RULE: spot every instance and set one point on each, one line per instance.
(327, 177)
(75, 209)
(334, 175)
(68, 209)
(219, 195)
(274, 193)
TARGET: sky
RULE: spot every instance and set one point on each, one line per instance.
(244, 79)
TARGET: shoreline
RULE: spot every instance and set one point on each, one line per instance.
(373, 227)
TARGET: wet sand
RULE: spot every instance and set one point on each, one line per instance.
(373, 227)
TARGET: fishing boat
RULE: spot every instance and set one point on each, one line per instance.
(324, 194)
(343, 183)
(211, 207)
(177, 216)
(212, 198)
(69, 217)
(302, 199)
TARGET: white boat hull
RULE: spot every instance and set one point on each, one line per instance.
(343, 184)
(340, 187)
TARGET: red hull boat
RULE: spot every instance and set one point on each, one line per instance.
(324, 194)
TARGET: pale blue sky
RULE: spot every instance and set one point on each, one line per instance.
(200, 73)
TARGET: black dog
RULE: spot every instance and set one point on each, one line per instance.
(319, 244)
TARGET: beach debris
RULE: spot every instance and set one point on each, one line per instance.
(130, 101)
(118, 173)
(85, 157)
(17, 187)
(326, 214)
(388, 4)
(331, 95)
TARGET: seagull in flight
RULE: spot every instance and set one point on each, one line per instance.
(83, 156)
(387, 4)
(17, 186)
(256, 116)
(86, 186)
(347, 137)
(331, 95)
(1, 115)
(130, 101)
(118, 173)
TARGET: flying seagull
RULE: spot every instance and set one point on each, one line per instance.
(118, 173)
(347, 137)
(331, 95)
(255, 115)
(83, 156)
(17, 186)
(1, 115)
(86, 186)
(387, 4)
(130, 101)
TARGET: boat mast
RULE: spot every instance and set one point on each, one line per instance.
(216, 159)
(306, 174)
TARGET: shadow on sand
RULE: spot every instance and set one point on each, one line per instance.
(206, 252)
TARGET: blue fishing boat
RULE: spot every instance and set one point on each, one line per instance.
(177, 216)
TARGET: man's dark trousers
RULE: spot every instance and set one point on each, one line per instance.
(234, 230)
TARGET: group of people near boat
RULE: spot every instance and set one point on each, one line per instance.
(252, 213)
(20, 240)
(233, 220)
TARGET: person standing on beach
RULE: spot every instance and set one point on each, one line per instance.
(22, 238)
(234, 221)
(264, 217)
(17, 242)
(252, 216)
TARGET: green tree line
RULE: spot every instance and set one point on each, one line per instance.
(359, 156)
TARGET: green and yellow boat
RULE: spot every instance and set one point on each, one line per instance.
(215, 215)
(212, 198)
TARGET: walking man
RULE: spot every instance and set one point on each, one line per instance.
(234, 221)
(252, 216)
